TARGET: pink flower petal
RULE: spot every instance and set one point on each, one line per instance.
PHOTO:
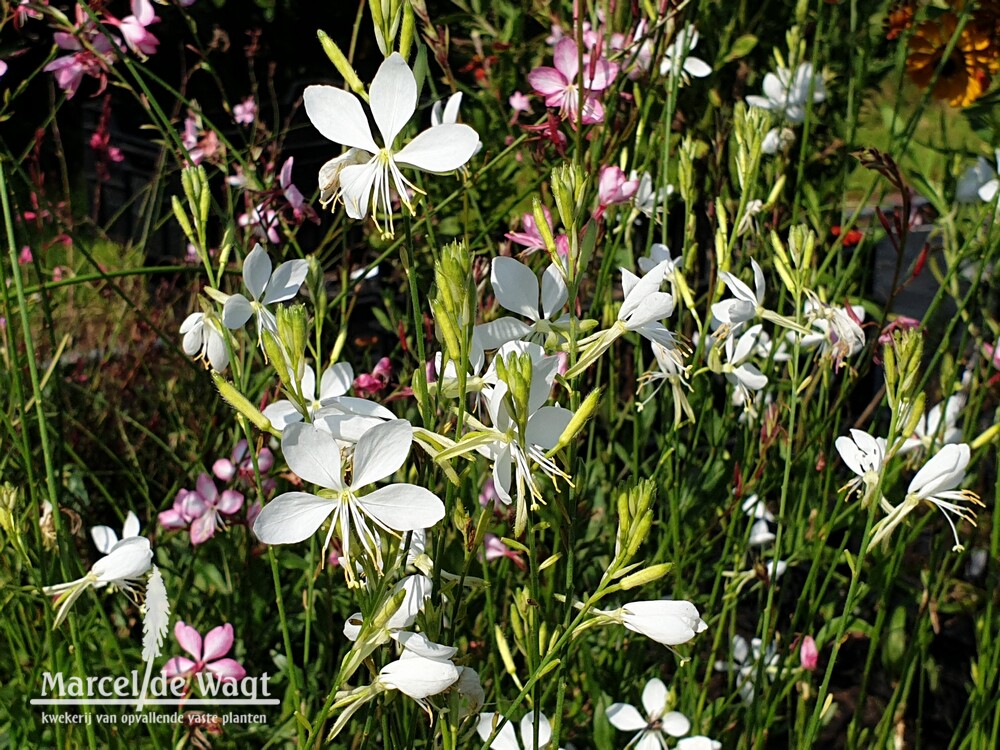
(227, 669)
(188, 638)
(230, 502)
(178, 667)
(218, 641)
(547, 81)
(566, 58)
(203, 527)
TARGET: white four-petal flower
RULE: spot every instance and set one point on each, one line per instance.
(266, 288)
(365, 180)
(314, 455)
(516, 289)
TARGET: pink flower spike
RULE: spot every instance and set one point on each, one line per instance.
(808, 654)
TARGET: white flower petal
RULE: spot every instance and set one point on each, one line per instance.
(336, 380)
(528, 731)
(418, 590)
(676, 724)
(104, 538)
(403, 507)
(421, 645)
(292, 517)
(286, 280)
(356, 182)
(505, 739)
(515, 286)
(313, 455)
(236, 311)
(654, 697)
(256, 271)
(546, 425)
(131, 526)
(441, 149)
(282, 413)
(944, 471)
(498, 332)
(393, 97)
(338, 115)
(625, 718)
(554, 291)
(128, 559)
(381, 451)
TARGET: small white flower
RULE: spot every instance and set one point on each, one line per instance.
(937, 481)
(677, 60)
(266, 288)
(506, 739)
(516, 289)
(204, 339)
(125, 565)
(746, 303)
(741, 373)
(655, 725)
(336, 381)
(865, 456)
(365, 184)
(777, 139)
(645, 305)
(418, 677)
(787, 94)
(937, 426)
(647, 199)
(314, 455)
(745, 660)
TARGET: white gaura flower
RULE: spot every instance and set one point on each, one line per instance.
(314, 455)
(777, 139)
(677, 60)
(936, 484)
(837, 330)
(418, 677)
(742, 374)
(936, 427)
(745, 660)
(653, 726)
(517, 290)
(339, 116)
(648, 199)
(507, 740)
(266, 288)
(125, 565)
(105, 537)
(745, 303)
(865, 456)
(786, 94)
(760, 529)
(660, 253)
(663, 620)
(204, 339)
(980, 182)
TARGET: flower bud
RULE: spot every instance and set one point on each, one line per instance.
(341, 64)
(239, 402)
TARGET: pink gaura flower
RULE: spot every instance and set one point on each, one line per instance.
(264, 222)
(201, 509)
(239, 465)
(207, 654)
(614, 187)
(300, 209)
(245, 112)
(92, 60)
(367, 385)
(496, 549)
(133, 28)
(530, 237)
(563, 85)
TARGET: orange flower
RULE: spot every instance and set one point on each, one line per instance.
(966, 73)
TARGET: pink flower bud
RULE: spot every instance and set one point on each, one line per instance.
(808, 655)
